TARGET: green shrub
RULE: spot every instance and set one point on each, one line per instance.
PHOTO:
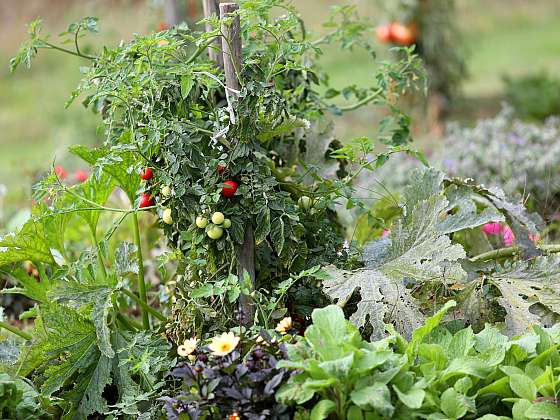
(535, 96)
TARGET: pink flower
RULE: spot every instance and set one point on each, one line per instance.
(502, 230)
(386, 233)
(508, 236)
(81, 175)
(492, 228)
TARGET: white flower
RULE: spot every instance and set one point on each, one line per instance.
(284, 325)
(188, 347)
(224, 344)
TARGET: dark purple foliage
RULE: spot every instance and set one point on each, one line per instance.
(220, 387)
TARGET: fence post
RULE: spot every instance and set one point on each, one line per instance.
(233, 61)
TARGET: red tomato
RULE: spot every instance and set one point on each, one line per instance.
(404, 34)
(146, 174)
(146, 201)
(229, 189)
(383, 33)
(81, 175)
(220, 169)
(60, 172)
(162, 26)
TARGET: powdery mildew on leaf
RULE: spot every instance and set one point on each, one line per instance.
(417, 251)
(525, 284)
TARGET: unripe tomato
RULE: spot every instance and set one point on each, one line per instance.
(383, 33)
(226, 224)
(146, 201)
(165, 191)
(404, 34)
(146, 174)
(305, 203)
(229, 189)
(218, 218)
(215, 232)
(201, 222)
(166, 217)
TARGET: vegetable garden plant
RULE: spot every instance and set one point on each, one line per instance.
(244, 179)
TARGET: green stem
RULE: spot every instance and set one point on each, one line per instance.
(200, 50)
(362, 102)
(15, 330)
(511, 251)
(141, 280)
(99, 254)
(54, 47)
(128, 323)
(147, 308)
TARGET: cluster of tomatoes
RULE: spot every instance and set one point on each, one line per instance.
(398, 33)
(219, 222)
(216, 228)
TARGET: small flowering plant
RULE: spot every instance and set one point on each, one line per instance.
(231, 378)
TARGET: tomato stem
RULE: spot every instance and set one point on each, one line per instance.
(143, 302)
(77, 54)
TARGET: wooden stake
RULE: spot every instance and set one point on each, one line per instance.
(172, 12)
(233, 61)
(212, 8)
(231, 44)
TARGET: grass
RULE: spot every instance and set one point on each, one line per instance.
(502, 36)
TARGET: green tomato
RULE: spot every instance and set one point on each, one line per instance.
(166, 216)
(201, 222)
(166, 191)
(226, 224)
(215, 232)
(218, 218)
(305, 203)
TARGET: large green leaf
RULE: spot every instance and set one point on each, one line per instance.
(524, 284)
(330, 333)
(96, 190)
(462, 212)
(28, 285)
(376, 396)
(128, 389)
(543, 410)
(322, 409)
(420, 333)
(27, 244)
(71, 354)
(99, 298)
(516, 214)
(121, 163)
(454, 404)
(125, 259)
(416, 252)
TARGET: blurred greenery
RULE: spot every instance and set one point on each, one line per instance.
(504, 37)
